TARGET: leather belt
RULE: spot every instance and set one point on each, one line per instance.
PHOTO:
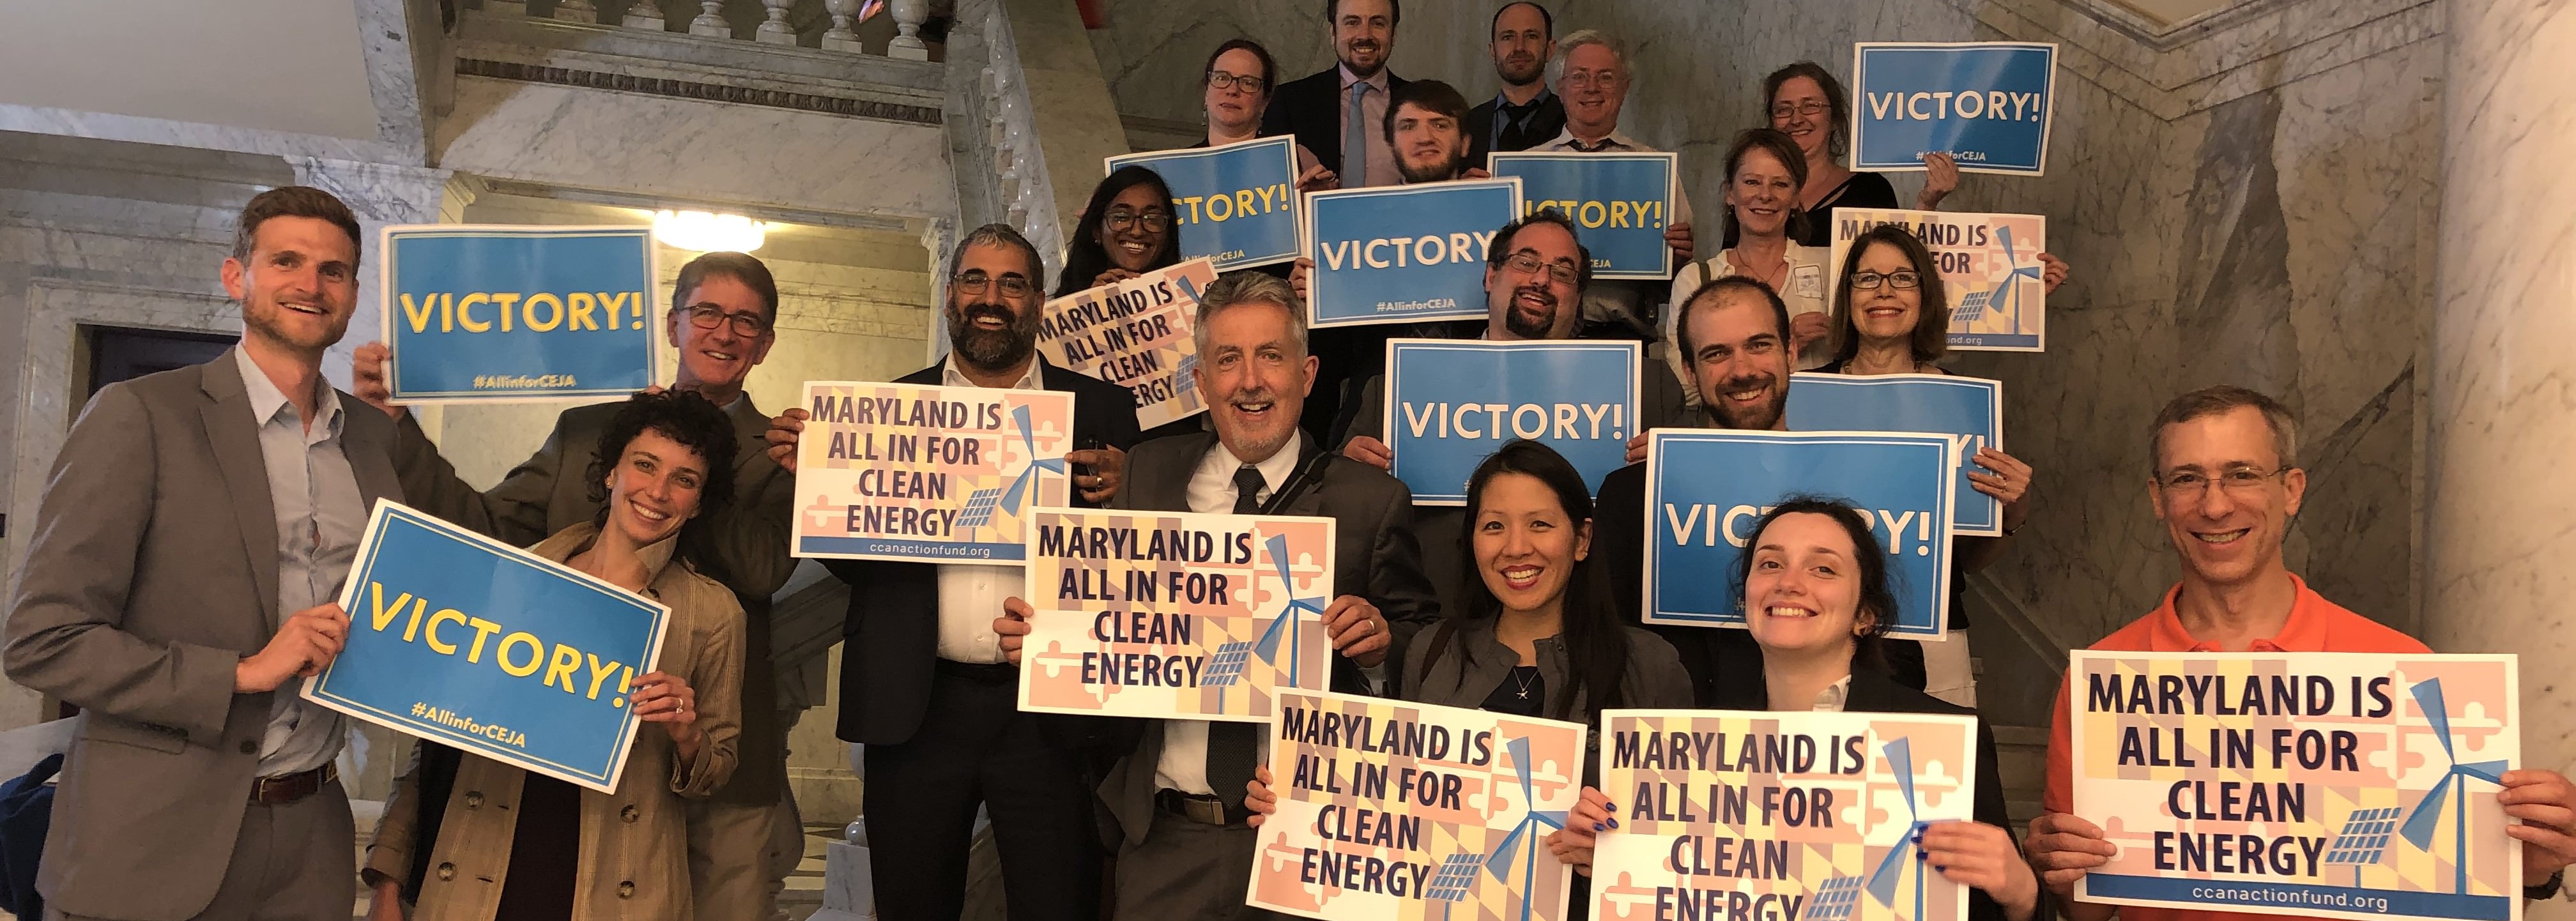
(993, 673)
(287, 788)
(1200, 808)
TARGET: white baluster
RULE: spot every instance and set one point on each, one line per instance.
(506, 7)
(644, 14)
(841, 37)
(576, 11)
(774, 30)
(908, 17)
(708, 23)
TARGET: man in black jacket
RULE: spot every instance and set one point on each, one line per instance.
(924, 683)
(1525, 113)
(1336, 112)
(1185, 851)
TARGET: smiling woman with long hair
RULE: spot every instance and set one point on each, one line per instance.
(1816, 599)
(467, 838)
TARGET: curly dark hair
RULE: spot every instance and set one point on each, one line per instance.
(1877, 592)
(685, 417)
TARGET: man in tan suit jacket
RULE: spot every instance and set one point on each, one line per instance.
(195, 530)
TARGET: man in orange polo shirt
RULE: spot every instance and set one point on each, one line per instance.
(2226, 485)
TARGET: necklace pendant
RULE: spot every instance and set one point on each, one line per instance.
(1524, 693)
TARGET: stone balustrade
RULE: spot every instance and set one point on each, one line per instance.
(774, 27)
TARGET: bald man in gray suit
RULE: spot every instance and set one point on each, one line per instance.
(194, 533)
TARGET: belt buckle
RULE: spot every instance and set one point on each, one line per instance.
(1203, 811)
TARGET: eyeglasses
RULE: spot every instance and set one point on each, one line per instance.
(1584, 79)
(1805, 107)
(708, 316)
(1869, 281)
(1153, 220)
(2237, 481)
(1222, 80)
(1526, 263)
(1013, 285)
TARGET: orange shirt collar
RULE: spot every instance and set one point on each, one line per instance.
(2305, 631)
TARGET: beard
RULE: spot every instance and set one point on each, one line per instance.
(1520, 323)
(1757, 418)
(1447, 169)
(1520, 73)
(992, 349)
(274, 322)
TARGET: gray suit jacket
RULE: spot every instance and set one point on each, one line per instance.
(550, 491)
(152, 573)
(1374, 557)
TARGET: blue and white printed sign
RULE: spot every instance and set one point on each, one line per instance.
(1451, 403)
(1706, 488)
(1405, 253)
(469, 642)
(498, 314)
(1622, 202)
(1968, 409)
(1236, 204)
(1985, 103)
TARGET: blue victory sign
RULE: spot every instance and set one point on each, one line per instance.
(1705, 490)
(1968, 409)
(458, 639)
(1401, 254)
(1985, 103)
(514, 314)
(1235, 204)
(1621, 201)
(1451, 403)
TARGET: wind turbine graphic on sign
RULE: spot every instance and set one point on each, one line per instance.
(1499, 861)
(2010, 290)
(1226, 667)
(979, 511)
(2427, 817)
(1882, 881)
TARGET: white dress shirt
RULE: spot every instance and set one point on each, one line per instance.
(320, 513)
(971, 594)
(1830, 700)
(1184, 764)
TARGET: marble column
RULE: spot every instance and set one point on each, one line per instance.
(2502, 427)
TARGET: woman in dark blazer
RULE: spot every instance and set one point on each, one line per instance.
(1816, 600)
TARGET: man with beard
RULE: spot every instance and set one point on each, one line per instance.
(186, 551)
(924, 682)
(1535, 275)
(1332, 112)
(1736, 332)
(1525, 113)
(747, 838)
(1591, 75)
(1177, 796)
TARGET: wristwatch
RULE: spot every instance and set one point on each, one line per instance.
(2548, 888)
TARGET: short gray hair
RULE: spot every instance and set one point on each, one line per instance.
(2211, 401)
(1579, 38)
(999, 234)
(1248, 287)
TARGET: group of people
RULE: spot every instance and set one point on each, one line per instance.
(201, 785)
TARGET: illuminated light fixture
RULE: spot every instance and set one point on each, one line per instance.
(708, 232)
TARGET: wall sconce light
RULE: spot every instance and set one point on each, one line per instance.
(707, 232)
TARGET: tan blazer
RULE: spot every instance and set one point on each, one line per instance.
(152, 572)
(634, 857)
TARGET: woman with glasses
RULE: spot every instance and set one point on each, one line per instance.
(1237, 82)
(1126, 231)
(1816, 600)
(1764, 171)
(1806, 103)
(1538, 635)
(1897, 321)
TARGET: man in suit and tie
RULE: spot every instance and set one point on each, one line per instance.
(1177, 796)
(187, 555)
(1336, 112)
(747, 838)
(1524, 113)
(924, 684)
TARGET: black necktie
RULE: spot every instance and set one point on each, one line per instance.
(1233, 747)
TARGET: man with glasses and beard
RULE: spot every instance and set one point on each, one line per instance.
(1535, 273)
(924, 682)
(1525, 113)
(1177, 796)
(747, 838)
(1735, 331)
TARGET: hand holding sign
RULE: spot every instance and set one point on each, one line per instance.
(2546, 804)
(1013, 627)
(1940, 178)
(2062, 848)
(667, 699)
(367, 378)
(1357, 630)
(1592, 815)
(1982, 856)
(304, 645)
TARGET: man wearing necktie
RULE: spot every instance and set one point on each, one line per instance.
(1177, 796)
(1336, 112)
(1591, 74)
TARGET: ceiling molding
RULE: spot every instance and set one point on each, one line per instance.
(2214, 58)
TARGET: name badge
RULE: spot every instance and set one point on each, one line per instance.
(1807, 281)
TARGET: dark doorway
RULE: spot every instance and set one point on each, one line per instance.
(118, 353)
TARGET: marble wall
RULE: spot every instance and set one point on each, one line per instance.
(2249, 199)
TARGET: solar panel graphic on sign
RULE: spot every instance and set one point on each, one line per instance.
(2363, 841)
(1834, 901)
(979, 508)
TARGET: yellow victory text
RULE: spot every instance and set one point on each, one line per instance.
(538, 312)
(518, 653)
